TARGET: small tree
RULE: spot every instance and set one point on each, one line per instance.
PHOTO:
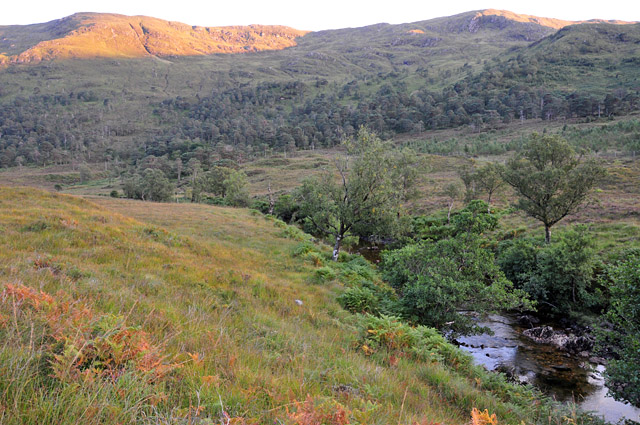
(235, 189)
(551, 179)
(488, 179)
(453, 192)
(435, 280)
(467, 175)
(85, 173)
(358, 196)
(407, 168)
(152, 185)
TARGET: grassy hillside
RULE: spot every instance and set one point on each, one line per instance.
(117, 311)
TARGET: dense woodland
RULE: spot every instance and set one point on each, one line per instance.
(254, 120)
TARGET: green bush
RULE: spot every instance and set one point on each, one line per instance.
(324, 274)
(391, 335)
(260, 205)
(359, 300)
(623, 335)
(286, 208)
(558, 276)
(435, 280)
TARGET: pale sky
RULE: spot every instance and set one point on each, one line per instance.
(311, 15)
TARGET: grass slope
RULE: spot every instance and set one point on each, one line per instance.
(117, 311)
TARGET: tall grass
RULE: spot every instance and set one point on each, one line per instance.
(131, 312)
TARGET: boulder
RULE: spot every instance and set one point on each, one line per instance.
(576, 345)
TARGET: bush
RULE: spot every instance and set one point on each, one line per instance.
(623, 336)
(260, 205)
(558, 276)
(435, 280)
(391, 335)
(359, 300)
(286, 208)
(324, 274)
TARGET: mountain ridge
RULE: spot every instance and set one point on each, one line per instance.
(89, 35)
(107, 35)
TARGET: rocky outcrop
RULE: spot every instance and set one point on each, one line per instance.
(580, 345)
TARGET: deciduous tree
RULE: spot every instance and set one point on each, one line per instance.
(551, 179)
(357, 196)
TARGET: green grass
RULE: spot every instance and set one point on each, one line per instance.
(210, 294)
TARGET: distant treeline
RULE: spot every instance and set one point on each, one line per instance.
(286, 116)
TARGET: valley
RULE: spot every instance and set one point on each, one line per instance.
(182, 207)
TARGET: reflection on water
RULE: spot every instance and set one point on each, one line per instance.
(563, 377)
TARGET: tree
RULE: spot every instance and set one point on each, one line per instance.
(488, 179)
(551, 179)
(467, 175)
(559, 276)
(358, 197)
(223, 182)
(622, 338)
(453, 192)
(235, 189)
(408, 167)
(85, 173)
(152, 185)
(437, 280)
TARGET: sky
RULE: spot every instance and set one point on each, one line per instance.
(312, 15)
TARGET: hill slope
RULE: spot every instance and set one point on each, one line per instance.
(188, 313)
(91, 35)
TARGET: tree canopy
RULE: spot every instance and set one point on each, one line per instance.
(551, 180)
(359, 195)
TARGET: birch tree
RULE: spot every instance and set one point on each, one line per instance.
(358, 195)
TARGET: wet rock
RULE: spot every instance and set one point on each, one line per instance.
(544, 335)
(561, 367)
(576, 345)
(509, 372)
(598, 360)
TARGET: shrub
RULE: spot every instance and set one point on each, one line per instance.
(558, 276)
(623, 335)
(324, 274)
(359, 300)
(286, 208)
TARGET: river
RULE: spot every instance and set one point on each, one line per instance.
(560, 376)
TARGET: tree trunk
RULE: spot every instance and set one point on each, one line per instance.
(336, 248)
(547, 234)
(271, 201)
(449, 213)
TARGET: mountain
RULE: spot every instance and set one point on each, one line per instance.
(161, 94)
(91, 35)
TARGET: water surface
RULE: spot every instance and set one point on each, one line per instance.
(559, 375)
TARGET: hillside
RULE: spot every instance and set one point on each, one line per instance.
(477, 71)
(94, 35)
(114, 311)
